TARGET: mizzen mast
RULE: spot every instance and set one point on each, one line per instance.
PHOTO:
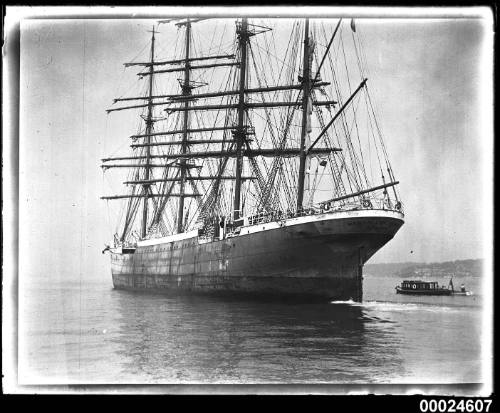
(306, 90)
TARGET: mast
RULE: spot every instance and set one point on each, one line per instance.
(306, 88)
(239, 135)
(186, 91)
(149, 127)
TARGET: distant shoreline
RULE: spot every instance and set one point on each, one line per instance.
(457, 268)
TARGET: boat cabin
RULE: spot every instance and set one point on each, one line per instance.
(419, 285)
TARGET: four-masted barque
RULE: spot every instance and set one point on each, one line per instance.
(258, 169)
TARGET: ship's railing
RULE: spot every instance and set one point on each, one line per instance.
(231, 228)
(263, 217)
(154, 232)
(364, 204)
(129, 242)
(278, 215)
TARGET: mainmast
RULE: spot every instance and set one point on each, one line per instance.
(149, 128)
(306, 90)
(240, 131)
(186, 91)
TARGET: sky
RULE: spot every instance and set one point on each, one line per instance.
(427, 78)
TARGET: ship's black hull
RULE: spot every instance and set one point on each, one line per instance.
(319, 260)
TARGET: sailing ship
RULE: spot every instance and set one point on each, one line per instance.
(252, 170)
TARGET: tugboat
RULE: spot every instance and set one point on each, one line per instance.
(429, 288)
(423, 288)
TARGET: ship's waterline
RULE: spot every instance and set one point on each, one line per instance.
(316, 257)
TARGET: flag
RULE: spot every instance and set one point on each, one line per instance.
(353, 26)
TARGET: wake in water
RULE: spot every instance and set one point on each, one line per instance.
(350, 301)
(398, 306)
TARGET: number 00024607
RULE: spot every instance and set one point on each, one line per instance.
(453, 405)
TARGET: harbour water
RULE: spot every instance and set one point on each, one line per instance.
(87, 332)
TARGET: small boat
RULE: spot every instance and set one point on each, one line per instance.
(422, 288)
(429, 288)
